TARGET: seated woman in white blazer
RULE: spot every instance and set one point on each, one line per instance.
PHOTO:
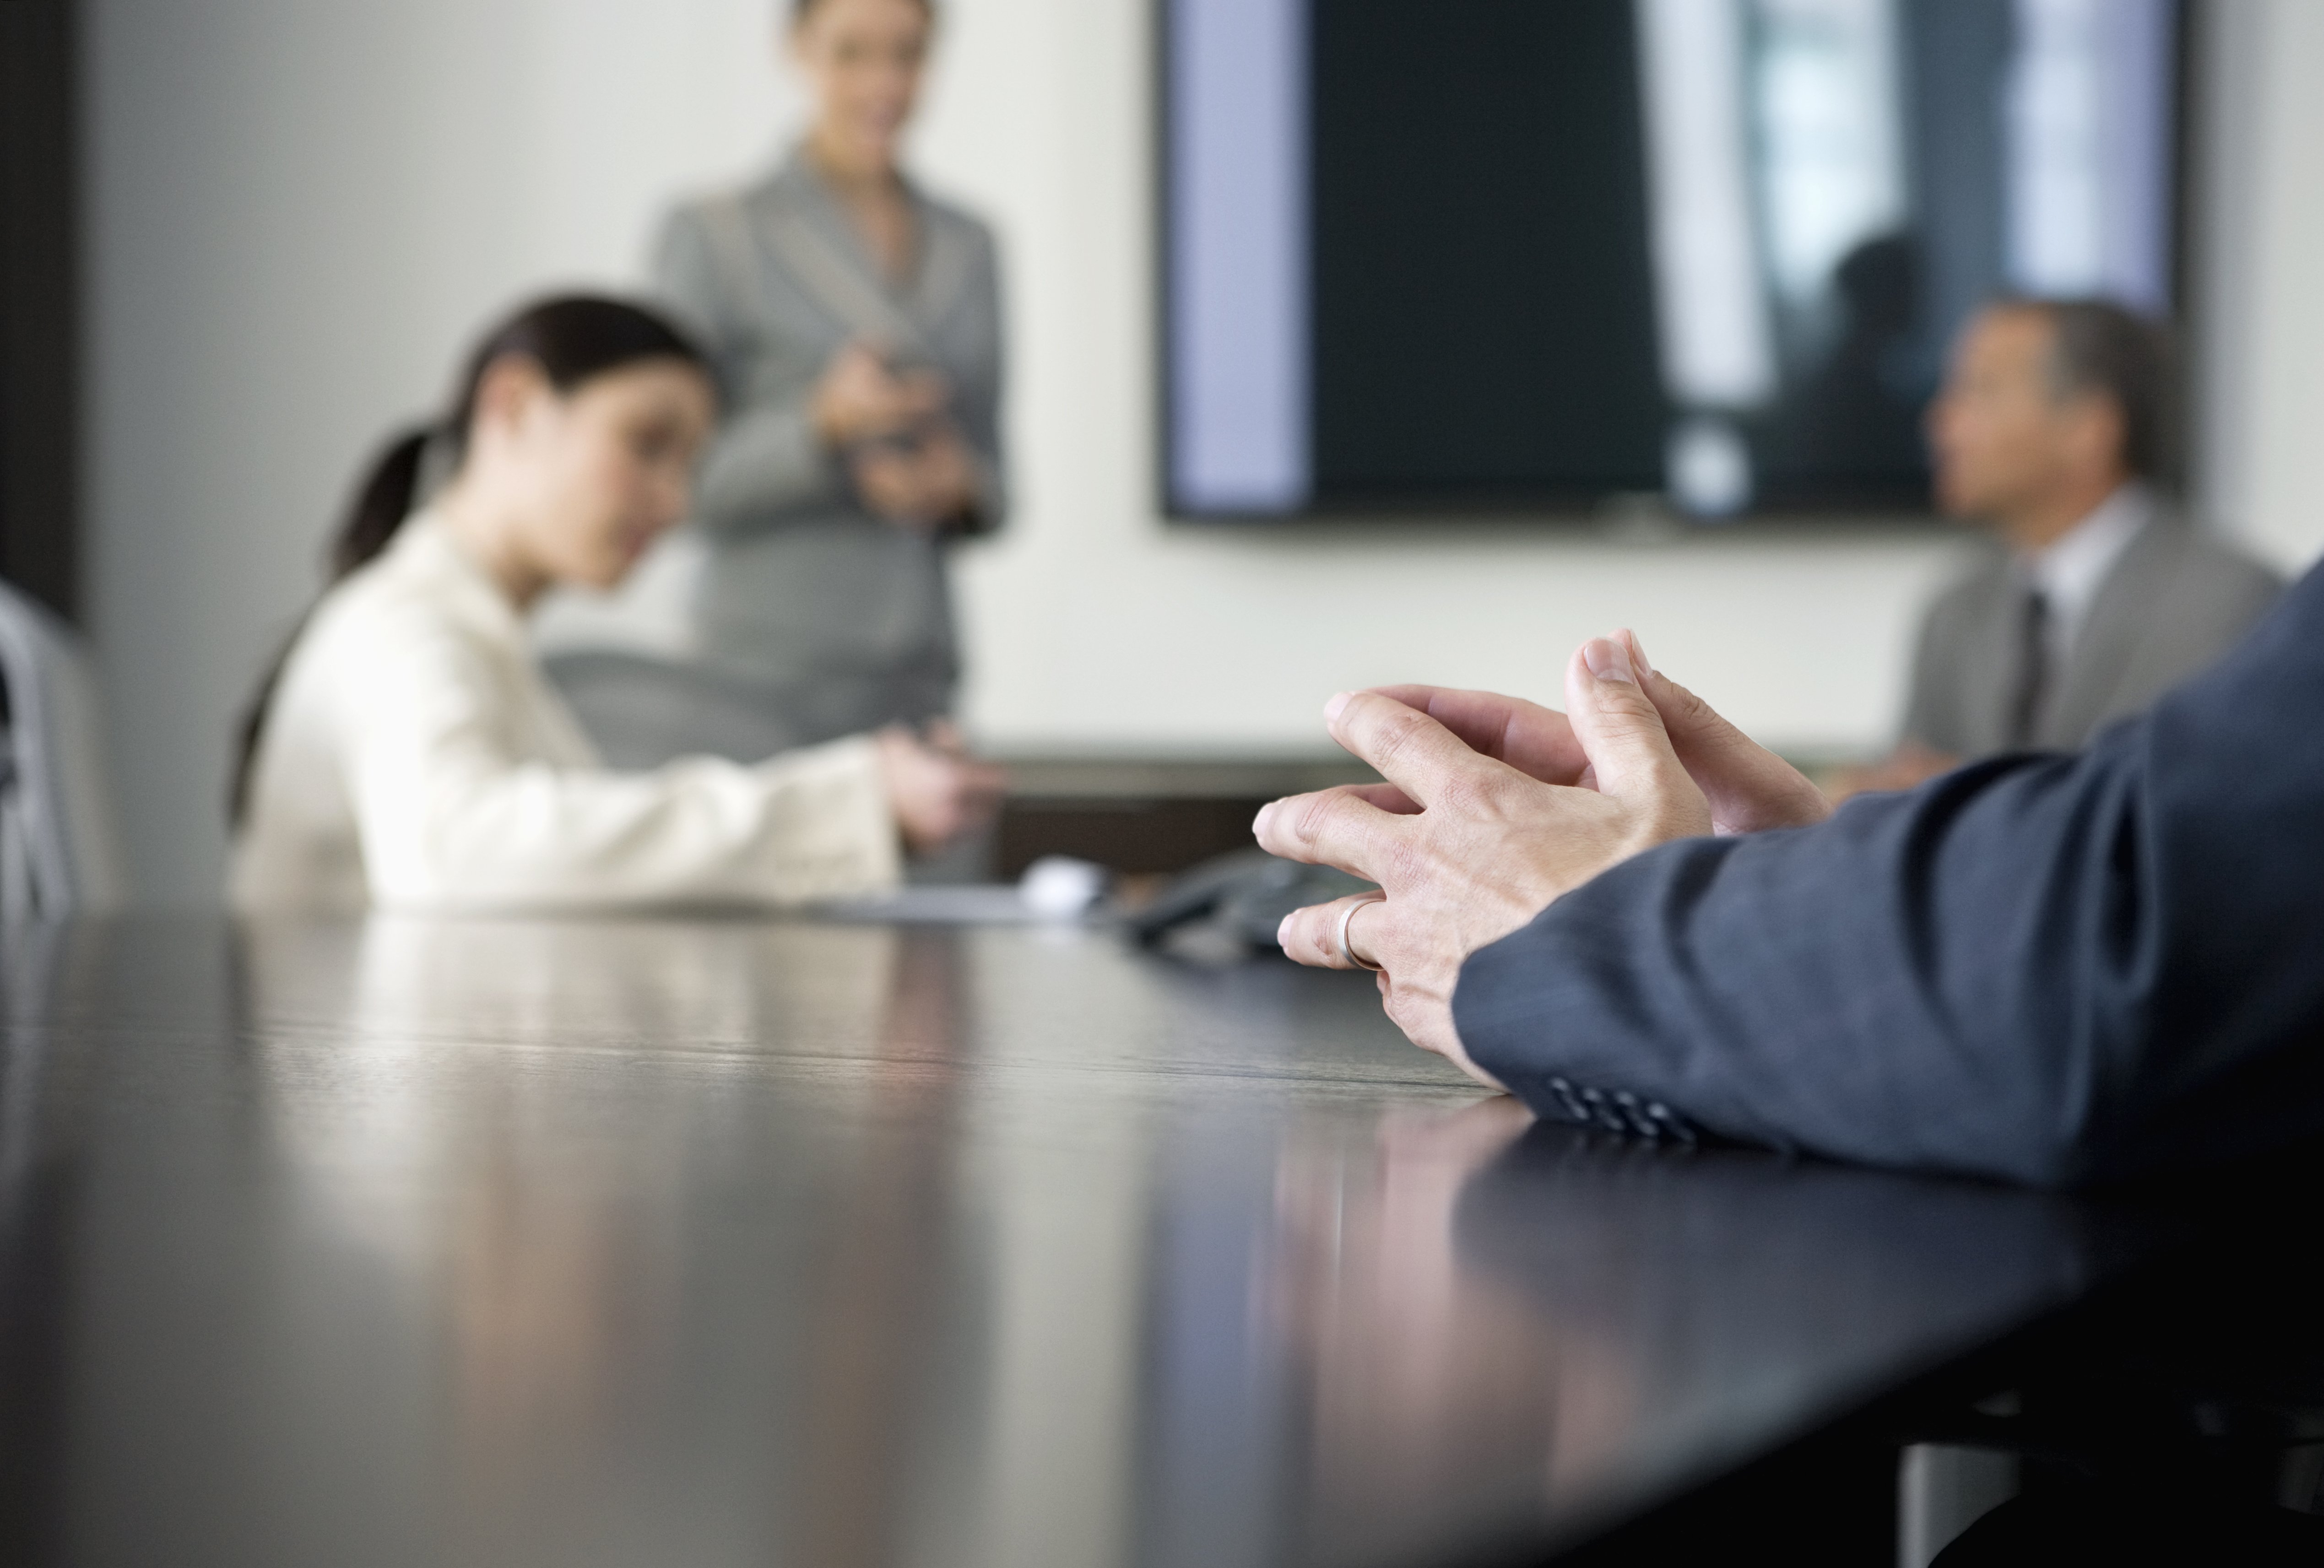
(407, 752)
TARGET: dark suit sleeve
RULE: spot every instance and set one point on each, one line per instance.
(2051, 969)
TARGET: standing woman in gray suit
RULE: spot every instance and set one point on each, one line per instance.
(853, 323)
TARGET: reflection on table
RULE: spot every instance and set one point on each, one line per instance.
(411, 1241)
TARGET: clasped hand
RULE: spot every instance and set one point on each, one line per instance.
(1495, 808)
(908, 460)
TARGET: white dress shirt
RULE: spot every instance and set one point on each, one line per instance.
(2071, 571)
(415, 757)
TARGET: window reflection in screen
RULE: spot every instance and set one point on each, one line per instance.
(1810, 173)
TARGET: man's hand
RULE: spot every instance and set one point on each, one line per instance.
(1468, 847)
(1749, 788)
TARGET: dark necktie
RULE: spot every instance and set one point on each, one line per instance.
(2032, 668)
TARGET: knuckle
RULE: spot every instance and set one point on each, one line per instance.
(1630, 702)
(1481, 789)
(1317, 930)
(1314, 817)
(1632, 727)
(1406, 864)
(1388, 727)
(1686, 705)
(1463, 793)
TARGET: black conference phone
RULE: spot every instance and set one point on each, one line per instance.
(1243, 895)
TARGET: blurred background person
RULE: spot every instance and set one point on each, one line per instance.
(2055, 431)
(1855, 423)
(406, 749)
(854, 326)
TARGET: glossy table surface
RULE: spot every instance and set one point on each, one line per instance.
(775, 1242)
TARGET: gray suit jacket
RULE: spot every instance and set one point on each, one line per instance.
(2172, 604)
(831, 619)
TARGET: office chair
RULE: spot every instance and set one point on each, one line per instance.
(59, 854)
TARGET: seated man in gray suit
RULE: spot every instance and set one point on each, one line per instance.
(2052, 430)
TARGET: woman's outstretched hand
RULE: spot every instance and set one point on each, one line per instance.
(1494, 808)
(937, 790)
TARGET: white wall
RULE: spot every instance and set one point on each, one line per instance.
(2261, 259)
(299, 211)
(301, 208)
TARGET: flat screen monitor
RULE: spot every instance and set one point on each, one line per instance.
(1544, 256)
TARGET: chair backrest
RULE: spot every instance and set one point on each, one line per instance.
(59, 854)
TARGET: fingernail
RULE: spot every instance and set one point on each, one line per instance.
(1283, 933)
(1332, 709)
(1607, 660)
(1639, 652)
(1258, 823)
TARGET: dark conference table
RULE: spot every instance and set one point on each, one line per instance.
(727, 1242)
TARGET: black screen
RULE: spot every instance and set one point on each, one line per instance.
(1442, 256)
(1484, 322)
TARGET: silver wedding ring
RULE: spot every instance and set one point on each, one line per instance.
(1348, 953)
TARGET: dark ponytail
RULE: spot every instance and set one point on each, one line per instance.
(572, 338)
(385, 499)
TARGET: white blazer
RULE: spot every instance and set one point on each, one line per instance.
(414, 757)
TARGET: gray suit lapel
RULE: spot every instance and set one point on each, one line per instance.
(804, 229)
(804, 232)
(2105, 654)
(947, 263)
